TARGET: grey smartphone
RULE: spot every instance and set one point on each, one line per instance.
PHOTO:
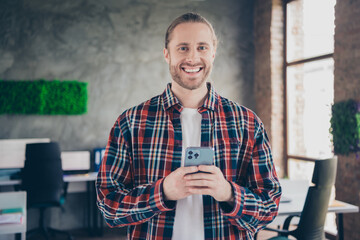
(195, 156)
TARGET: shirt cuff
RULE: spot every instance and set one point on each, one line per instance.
(236, 210)
(156, 201)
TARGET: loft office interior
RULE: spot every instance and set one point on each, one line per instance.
(116, 48)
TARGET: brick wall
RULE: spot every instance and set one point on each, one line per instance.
(268, 75)
(347, 85)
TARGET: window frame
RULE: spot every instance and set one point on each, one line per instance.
(287, 64)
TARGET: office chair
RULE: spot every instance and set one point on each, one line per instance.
(42, 178)
(312, 218)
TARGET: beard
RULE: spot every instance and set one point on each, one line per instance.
(190, 83)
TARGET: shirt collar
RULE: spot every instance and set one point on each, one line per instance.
(170, 100)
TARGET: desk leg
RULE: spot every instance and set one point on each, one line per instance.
(91, 206)
(94, 211)
(340, 226)
(98, 218)
(88, 207)
(95, 220)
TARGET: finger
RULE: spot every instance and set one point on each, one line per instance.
(198, 183)
(188, 193)
(187, 170)
(200, 175)
(200, 191)
(208, 168)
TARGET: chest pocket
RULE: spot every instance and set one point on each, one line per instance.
(228, 157)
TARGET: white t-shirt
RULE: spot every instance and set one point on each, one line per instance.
(189, 217)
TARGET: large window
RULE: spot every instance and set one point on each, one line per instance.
(309, 82)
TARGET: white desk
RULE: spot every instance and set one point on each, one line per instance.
(67, 178)
(81, 177)
(296, 191)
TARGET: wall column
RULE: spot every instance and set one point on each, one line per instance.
(347, 86)
(268, 75)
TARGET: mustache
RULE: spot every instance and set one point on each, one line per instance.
(192, 65)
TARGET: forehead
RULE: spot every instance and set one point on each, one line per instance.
(191, 33)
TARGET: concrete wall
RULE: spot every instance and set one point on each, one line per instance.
(115, 46)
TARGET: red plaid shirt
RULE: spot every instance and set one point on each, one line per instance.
(145, 145)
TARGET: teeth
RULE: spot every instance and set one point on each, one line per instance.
(191, 70)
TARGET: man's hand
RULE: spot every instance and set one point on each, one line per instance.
(210, 183)
(174, 185)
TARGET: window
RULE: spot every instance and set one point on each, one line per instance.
(309, 82)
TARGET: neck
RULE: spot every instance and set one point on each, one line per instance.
(190, 98)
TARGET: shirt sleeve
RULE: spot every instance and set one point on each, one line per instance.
(120, 202)
(256, 204)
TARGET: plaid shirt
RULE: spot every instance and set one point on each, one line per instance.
(145, 145)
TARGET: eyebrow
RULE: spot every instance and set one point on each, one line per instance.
(204, 43)
(187, 44)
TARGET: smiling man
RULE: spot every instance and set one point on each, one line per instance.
(190, 54)
(143, 183)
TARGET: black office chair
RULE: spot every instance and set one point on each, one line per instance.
(312, 218)
(42, 178)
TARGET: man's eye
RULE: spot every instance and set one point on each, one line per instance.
(182, 48)
(202, 48)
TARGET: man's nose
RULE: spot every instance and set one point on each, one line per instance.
(193, 55)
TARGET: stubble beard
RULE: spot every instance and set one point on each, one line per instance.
(193, 84)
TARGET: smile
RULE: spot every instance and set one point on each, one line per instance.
(192, 70)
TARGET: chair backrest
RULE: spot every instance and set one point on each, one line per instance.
(312, 220)
(42, 176)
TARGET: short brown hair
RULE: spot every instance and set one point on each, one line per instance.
(186, 18)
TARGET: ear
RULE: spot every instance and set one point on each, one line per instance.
(166, 55)
(213, 54)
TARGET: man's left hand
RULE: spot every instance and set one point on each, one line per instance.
(211, 182)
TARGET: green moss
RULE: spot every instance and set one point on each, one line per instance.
(345, 127)
(43, 97)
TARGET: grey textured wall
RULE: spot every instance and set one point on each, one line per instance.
(115, 46)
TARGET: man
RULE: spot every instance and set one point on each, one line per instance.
(142, 182)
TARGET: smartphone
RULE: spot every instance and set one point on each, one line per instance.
(195, 156)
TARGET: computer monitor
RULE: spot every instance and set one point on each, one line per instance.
(75, 162)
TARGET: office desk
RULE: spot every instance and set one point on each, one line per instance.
(94, 220)
(296, 191)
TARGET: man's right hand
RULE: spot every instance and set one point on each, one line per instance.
(174, 184)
